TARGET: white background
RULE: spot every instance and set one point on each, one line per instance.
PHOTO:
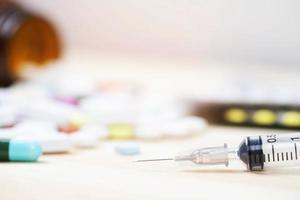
(256, 31)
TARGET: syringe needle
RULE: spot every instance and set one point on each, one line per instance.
(159, 159)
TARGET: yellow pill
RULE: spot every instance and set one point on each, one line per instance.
(120, 131)
(264, 117)
(235, 115)
(78, 121)
(291, 118)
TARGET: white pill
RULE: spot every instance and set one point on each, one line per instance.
(109, 108)
(184, 126)
(8, 115)
(100, 131)
(45, 133)
(83, 140)
(50, 143)
(30, 126)
(89, 136)
(149, 131)
(48, 110)
(7, 133)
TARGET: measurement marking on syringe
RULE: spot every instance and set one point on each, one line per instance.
(268, 157)
(291, 155)
(296, 151)
(273, 153)
(286, 155)
(282, 156)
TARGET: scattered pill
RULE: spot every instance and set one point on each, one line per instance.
(35, 126)
(184, 126)
(127, 149)
(77, 120)
(264, 117)
(100, 131)
(8, 125)
(50, 143)
(85, 140)
(8, 117)
(8, 133)
(48, 110)
(235, 115)
(149, 131)
(120, 131)
(67, 100)
(69, 129)
(291, 119)
(44, 133)
(17, 150)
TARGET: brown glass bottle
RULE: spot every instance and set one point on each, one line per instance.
(24, 38)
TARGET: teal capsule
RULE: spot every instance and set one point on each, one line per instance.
(17, 150)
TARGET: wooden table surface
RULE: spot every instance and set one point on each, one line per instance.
(103, 174)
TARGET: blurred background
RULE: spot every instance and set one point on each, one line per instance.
(226, 53)
(229, 31)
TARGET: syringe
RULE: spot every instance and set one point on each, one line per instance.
(257, 152)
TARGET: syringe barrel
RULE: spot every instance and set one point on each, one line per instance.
(260, 152)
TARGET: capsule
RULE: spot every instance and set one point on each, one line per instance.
(19, 151)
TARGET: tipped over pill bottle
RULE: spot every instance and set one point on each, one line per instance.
(25, 38)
